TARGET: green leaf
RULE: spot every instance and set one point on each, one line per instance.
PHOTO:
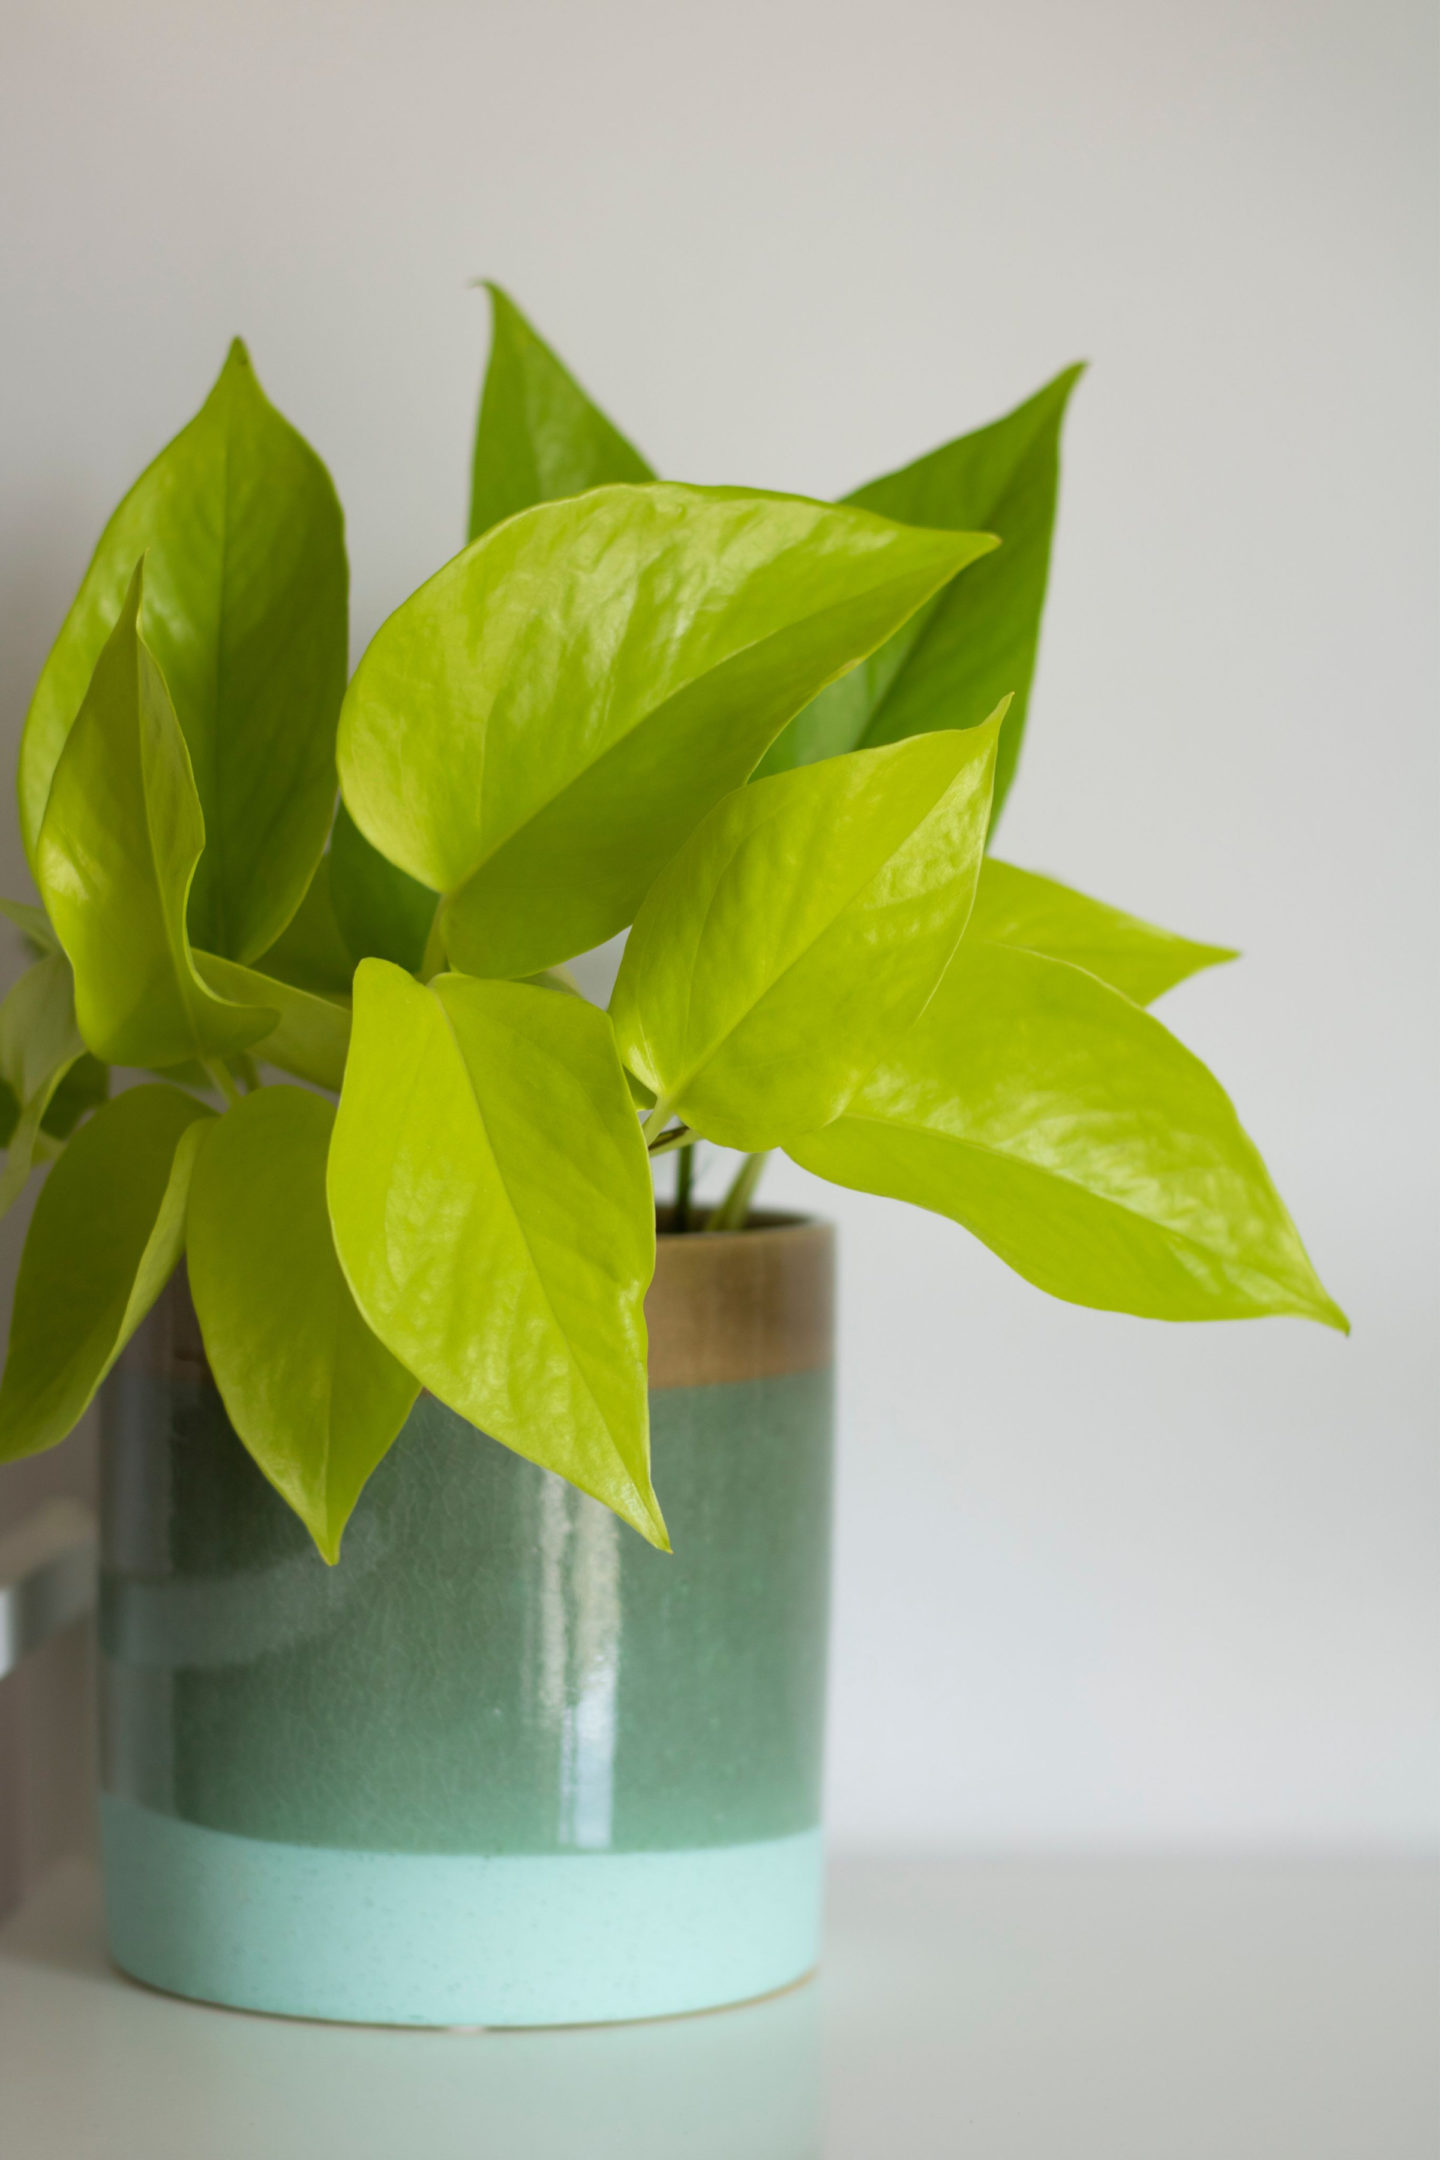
(494, 1213)
(85, 1086)
(122, 836)
(39, 1045)
(799, 931)
(382, 913)
(310, 953)
(536, 731)
(311, 1034)
(949, 667)
(315, 1398)
(539, 436)
(107, 1231)
(1016, 907)
(246, 614)
(1080, 1141)
(33, 924)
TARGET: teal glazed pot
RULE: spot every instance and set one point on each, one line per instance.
(504, 1764)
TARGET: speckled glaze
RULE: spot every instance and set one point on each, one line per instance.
(504, 1763)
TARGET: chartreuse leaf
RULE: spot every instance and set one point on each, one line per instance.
(310, 953)
(246, 613)
(107, 1231)
(40, 1045)
(310, 1036)
(117, 851)
(1016, 907)
(382, 913)
(1080, 1141)
(800, 929)
(315, 1398)
(538, 728)
(539, 436)
(949, 667)
(494, 1214)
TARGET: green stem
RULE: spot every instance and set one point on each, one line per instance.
(735, 1207)
(684, 1178)
(655, 1122)
(681, 1136)
(435, 960)
(220, 1073)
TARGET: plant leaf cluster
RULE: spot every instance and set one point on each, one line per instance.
(322, 928)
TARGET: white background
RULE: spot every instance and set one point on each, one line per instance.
(1099, 1581)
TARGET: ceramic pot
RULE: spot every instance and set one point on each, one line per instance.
(504, 1764)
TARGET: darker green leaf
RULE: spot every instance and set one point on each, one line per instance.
(539, 437)
(107, 1231)
(310, 953)
(382, 913)
(246, 605)
(315, 1397)
(950, 666)
(85, 1086)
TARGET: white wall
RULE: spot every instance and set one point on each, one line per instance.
(1098, 1580)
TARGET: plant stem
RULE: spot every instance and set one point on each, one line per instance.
(680, 1136)
(735, 1207)
(684, 1178)
(434, 960)
(655, 1122)
(220, 1073)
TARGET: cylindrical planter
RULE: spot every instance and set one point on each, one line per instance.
(504, 1764)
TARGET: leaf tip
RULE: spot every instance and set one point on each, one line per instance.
(325, 1525)
(645, 1516)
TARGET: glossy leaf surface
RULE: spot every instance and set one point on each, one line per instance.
(122, 836)
(949, 667)
(1017, 907)
(315, 1397)
(494, 1214)
(245, 610)
(382, 913)
(40, 1045)
(799, 931)
(1080, 1141)
(106, 1234)
(539, 436)
(311, 1034)
(536, 731)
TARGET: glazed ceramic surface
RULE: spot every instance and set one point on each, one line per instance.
(504, 1764)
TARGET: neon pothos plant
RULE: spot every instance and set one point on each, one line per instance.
(769, 734)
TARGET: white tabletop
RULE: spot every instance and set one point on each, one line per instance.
(1005, 2010)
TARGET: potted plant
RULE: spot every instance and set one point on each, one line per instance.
(400, 1723)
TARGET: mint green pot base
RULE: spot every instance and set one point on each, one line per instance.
(454, 1938)
(504, 1764)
